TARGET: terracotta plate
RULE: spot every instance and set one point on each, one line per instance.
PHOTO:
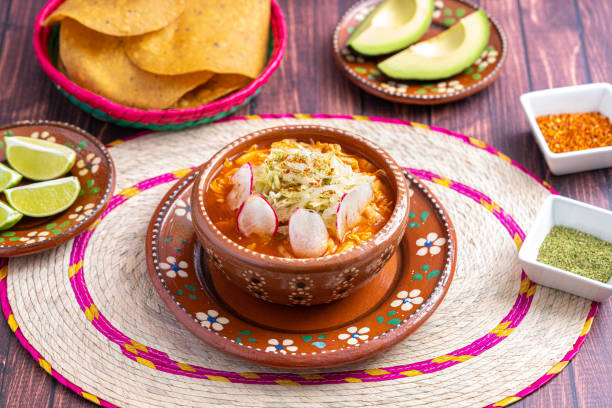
(95, 171)
(363, 72)
(397, 301)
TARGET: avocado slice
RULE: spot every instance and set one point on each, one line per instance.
(391, 26)
(444, 55)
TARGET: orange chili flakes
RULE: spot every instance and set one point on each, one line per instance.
(568, 132)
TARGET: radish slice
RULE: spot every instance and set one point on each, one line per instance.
(243, 186)
(256, 216)
(351, 206)
(307, 234)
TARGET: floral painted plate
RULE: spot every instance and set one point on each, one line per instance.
(96, 173)
(363, 72)
(383, 312)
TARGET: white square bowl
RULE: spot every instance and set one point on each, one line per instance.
(563, 211)
(571, 99)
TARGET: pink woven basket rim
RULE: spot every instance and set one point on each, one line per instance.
(118, 111)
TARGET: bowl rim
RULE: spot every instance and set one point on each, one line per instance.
(526, 100)
(397, 220)
(157, 116)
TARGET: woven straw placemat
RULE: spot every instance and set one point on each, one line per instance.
(89, 315)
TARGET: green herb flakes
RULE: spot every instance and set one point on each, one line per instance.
(577, 252)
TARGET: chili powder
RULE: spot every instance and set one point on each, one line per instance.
(568, 132)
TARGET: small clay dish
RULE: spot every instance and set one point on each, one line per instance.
(324, 276)
(364, 73)
(96, 173)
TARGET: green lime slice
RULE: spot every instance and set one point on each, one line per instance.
(8, 177)
(38, 159)
(8, 216)
(44, 198)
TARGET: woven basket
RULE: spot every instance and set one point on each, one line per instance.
(46, 48)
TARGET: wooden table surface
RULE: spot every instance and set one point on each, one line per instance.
(551, 44)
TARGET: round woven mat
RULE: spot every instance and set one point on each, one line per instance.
(90, 316)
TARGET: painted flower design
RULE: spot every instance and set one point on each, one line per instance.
(81, 212)
(35, 236)
(253, 278)
(431, 244)
(344, 282)
(301, 283)
(300, 298)
(340, 292)
(91, 163)
(215, 260)
(44, 135)
(212, 320)
(281, 347)
(382, 261)
(183, 209)
(300, 290)
(347, 276)
(255, 284)
(258, 292)
(348, 55)
(438, 6)
(393, 86)
(172, 267)
(353, 336)
(449, 87)
(488, 57)
(405, 300)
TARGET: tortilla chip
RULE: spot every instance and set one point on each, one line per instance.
(98, 62)
(221, 36)
(219, 85)
(119, 17)
(60, 66)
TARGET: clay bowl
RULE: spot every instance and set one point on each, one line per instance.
(301, 281)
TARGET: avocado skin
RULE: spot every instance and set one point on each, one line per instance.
(409, 65)
(392, 42)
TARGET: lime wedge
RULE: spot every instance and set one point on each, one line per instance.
(45, 198)
(38, 159)
(8, 216)
(8, 177)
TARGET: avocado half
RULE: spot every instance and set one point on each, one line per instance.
(444, 55)
(391, 26)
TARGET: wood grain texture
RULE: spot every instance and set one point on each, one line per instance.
(24, 383)
(592, 371)
(550, 43)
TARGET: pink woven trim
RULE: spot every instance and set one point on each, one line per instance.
(8, 311)
(540, 382)
(117, 111)
(537, 384)
(161, 361)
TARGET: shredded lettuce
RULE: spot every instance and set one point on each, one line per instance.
(299, 177)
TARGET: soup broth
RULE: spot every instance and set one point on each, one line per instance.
(315, 176)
